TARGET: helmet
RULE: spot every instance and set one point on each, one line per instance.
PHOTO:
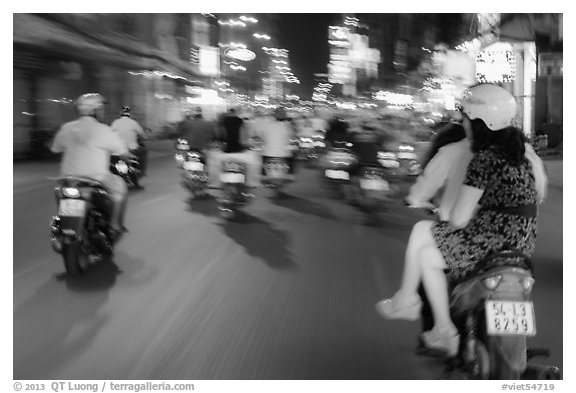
(491, 104)
(125, 111)
(88, 104)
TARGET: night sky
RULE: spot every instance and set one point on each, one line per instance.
(306, 37)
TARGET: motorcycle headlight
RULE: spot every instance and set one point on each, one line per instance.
(121, 167)
(71, 192)
(492, 283)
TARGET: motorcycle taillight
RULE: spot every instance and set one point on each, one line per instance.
(70, 192)
(492, 282)
(527, 283)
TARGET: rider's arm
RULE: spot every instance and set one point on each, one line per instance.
(540, 177)
(59, 144)
(433, 178)
(478, 175)
(138, 128)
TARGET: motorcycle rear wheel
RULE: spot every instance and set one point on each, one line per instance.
(75, 260)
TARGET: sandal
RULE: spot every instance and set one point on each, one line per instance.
(438, 344)
(400, 307)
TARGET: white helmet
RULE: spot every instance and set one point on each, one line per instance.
(490, 103)
(88, 104)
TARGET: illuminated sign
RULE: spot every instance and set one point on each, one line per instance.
(240, 54)
(496, 64)
(209, 61)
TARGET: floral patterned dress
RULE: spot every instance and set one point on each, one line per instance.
(504, 186)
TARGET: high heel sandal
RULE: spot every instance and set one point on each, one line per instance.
(438, 344)
(399, 307)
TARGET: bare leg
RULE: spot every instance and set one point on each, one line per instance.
(436, 286)
(419, 237)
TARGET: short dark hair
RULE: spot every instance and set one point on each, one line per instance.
(508, 141)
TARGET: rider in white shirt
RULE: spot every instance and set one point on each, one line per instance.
(128, 129)
(87, 144)
(276, 136)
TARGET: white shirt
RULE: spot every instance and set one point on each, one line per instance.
(448, 167)
(128, 130)
(276, 138)
(87, 145)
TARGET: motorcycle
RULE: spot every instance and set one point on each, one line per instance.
(128, 168)
(182, 147)
(338, 162)
(401, 161)
(494, 314)
(234, 193)
(194, 175)
(372, 190)
(276, 174)
(81, 231)
(310, 148)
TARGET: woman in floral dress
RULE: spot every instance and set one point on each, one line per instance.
(496, 210)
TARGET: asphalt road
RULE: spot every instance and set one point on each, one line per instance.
(287, 293)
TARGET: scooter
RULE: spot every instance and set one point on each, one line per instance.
(494, 314)
(338, 162)
(401, 162)
(182, 147)
(234, 191)
(194, 174)
(276, 174)
(128, 168)
(81, 230)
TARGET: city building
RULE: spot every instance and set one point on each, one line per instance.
(140, 60)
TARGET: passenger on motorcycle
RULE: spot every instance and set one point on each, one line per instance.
(277, 136)
(496, 208)
(337, 131)
(235, 136)
(129, 131)
(87, 144)
(197, 131)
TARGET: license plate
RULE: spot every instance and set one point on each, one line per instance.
(509, 318)
(305, 145)
(332, 174)
(390, 163)
(374, 184)
(231, 177)
(193, 166)
(275, 173)
(182, 147)
(71, 207)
